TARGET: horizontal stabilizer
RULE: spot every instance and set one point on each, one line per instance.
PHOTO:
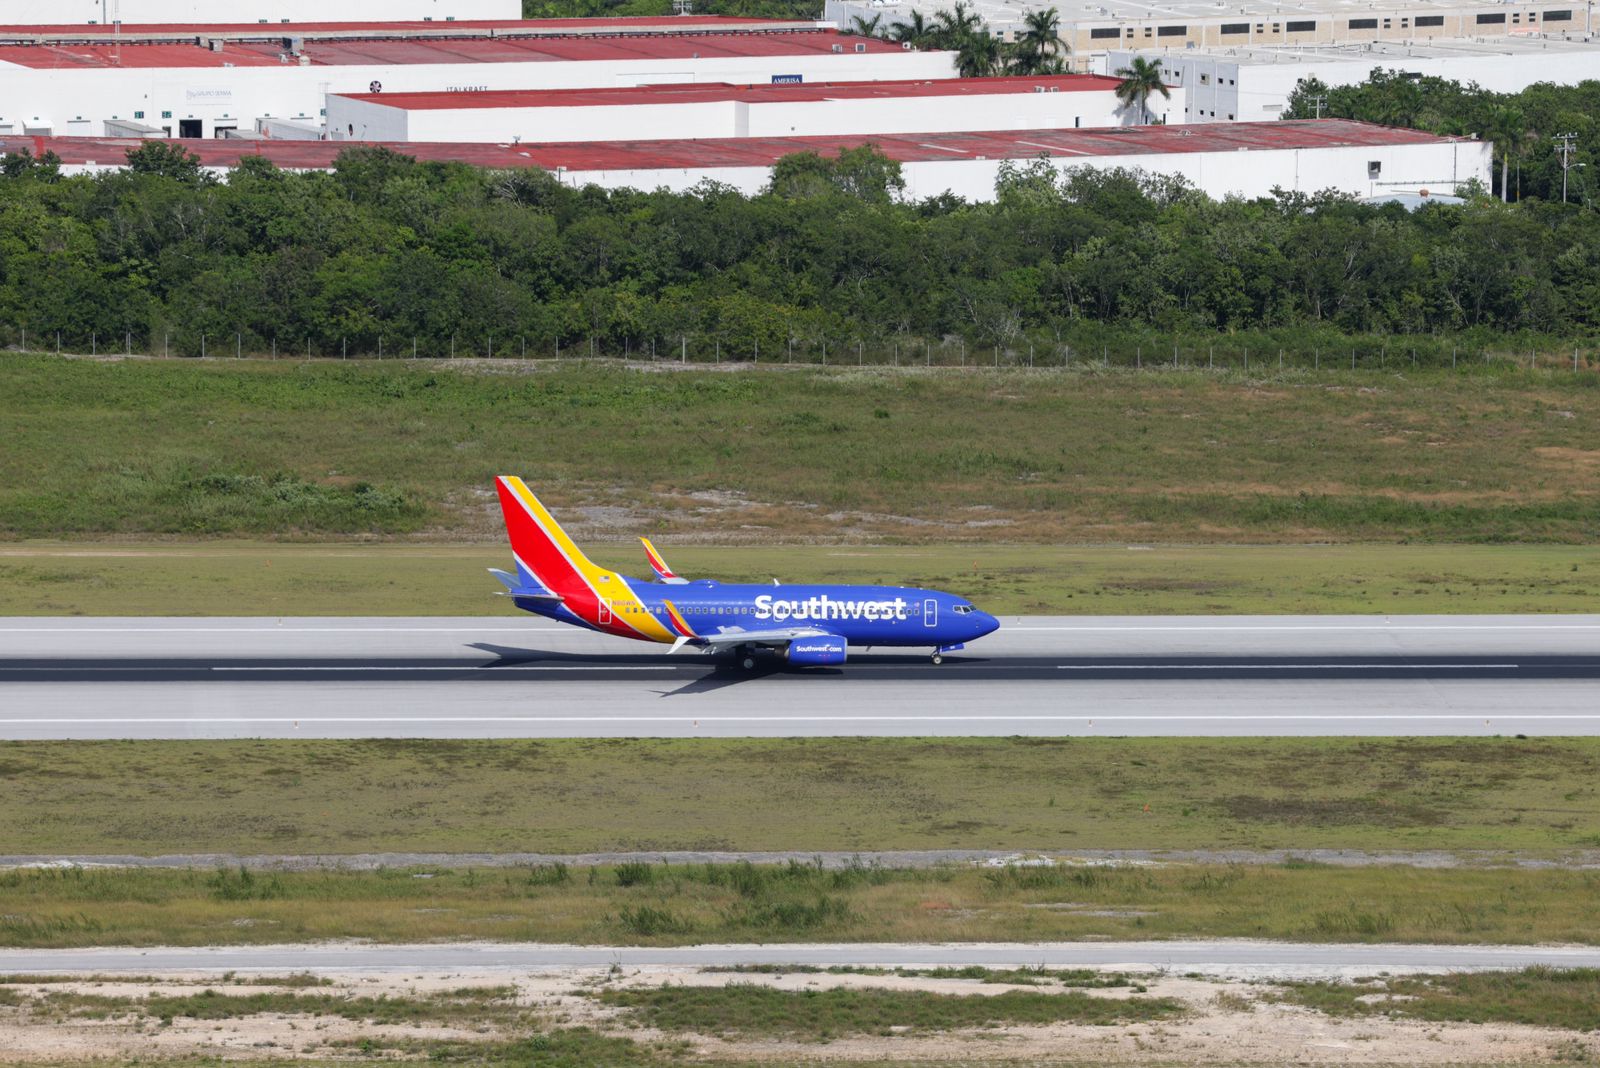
(523, 586)
(658, 564)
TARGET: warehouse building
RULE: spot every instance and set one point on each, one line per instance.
(1237, 159)
(1102, 25)
(1229, 84)
(665, 112)
(106, 12)
(231, 80)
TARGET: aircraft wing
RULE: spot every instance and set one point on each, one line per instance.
(732, 639)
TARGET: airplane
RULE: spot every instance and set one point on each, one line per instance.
(807, 626)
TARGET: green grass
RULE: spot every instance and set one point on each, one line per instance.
(1535, 796)
(291, 449)
(821, 1015)
(466, 1007)
(1538, 997)
(1038, 976)
(690, 904)
(208, 578)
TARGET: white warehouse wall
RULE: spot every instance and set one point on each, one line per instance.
(79, 101)
(372, 120)
(130, 12)
(1437, 167)
(1222, 89)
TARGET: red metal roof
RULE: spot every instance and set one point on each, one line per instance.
(715, 92)
(396, 50)
(764, 151)
(79, 30)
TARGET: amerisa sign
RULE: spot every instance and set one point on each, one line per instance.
(788, 79)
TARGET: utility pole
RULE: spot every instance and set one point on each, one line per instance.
(1319, 102)
(1565, 144)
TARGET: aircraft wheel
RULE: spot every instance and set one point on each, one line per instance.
(747, 660)
(938, 658)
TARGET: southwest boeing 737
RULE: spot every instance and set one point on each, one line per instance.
(806, 625)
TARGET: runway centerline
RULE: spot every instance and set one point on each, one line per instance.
(494, 677)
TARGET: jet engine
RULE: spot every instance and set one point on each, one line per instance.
(816, 652)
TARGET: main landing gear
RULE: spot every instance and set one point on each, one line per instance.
(746, 657)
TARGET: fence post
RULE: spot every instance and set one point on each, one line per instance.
(1316, 359)
(274, 346)
(1211, 357)
(24, 339)
(1574, 361)
(1247, 360)
(58, 343)
(1030, 355)
(491, 347)
(824, 352)
(1138, 357)
(1280, 359)
(202, 346)
(683, 349)
(238, 345)
(380, 346)
(127, 343)
(1174, 355)
(94, 343)
(997, 355)
(861, 353)
(719, 350)
(344, 348)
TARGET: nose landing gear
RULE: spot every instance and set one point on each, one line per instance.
(938, 653)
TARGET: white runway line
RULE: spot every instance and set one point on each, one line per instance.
(1284, 667)
(1107, 717)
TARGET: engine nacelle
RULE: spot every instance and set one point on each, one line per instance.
(817, 652)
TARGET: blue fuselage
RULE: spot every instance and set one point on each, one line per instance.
(862, 615)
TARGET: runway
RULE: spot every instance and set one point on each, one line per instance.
(1234, 958)
(524, 677)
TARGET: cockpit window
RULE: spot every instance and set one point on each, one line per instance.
(962, 609)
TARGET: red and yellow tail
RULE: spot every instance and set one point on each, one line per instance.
(598, 596)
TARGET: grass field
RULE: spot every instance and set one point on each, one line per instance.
(822, 1015)
(292, 449)
(330, 797)
(637, 904)
(195, 577)
(1541, 997)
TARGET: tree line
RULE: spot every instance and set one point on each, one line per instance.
(384, 248)
(1527, 128)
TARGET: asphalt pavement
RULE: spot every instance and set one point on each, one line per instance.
(512, 677)
(1234, 958)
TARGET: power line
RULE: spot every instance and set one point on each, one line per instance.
(1566, 144)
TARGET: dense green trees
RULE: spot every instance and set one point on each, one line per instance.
(1523, 126)
(385, 249)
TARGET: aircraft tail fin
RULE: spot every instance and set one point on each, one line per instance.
(542, 549)
(658, 564)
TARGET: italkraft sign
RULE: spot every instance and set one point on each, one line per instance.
(825, 607)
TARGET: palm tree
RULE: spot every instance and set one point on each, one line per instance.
(951, 28)
(979, 55)
(1040, 45)
(1508, 129)
(1139, 79)
(914, 32)
(861, 27)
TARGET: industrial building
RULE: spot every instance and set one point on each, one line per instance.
(1237, 159)
(664, 112)
(1102, 25)
(107, 12)
(244, 80)
(1229, 84)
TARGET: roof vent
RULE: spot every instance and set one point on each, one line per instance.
(838, 48)
(861, 47)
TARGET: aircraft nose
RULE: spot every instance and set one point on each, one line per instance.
(985, 624)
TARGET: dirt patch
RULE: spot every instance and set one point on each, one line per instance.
(1331, 812)
(1223, 1021)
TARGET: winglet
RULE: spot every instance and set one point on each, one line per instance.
(683, 630)
(658, 564)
